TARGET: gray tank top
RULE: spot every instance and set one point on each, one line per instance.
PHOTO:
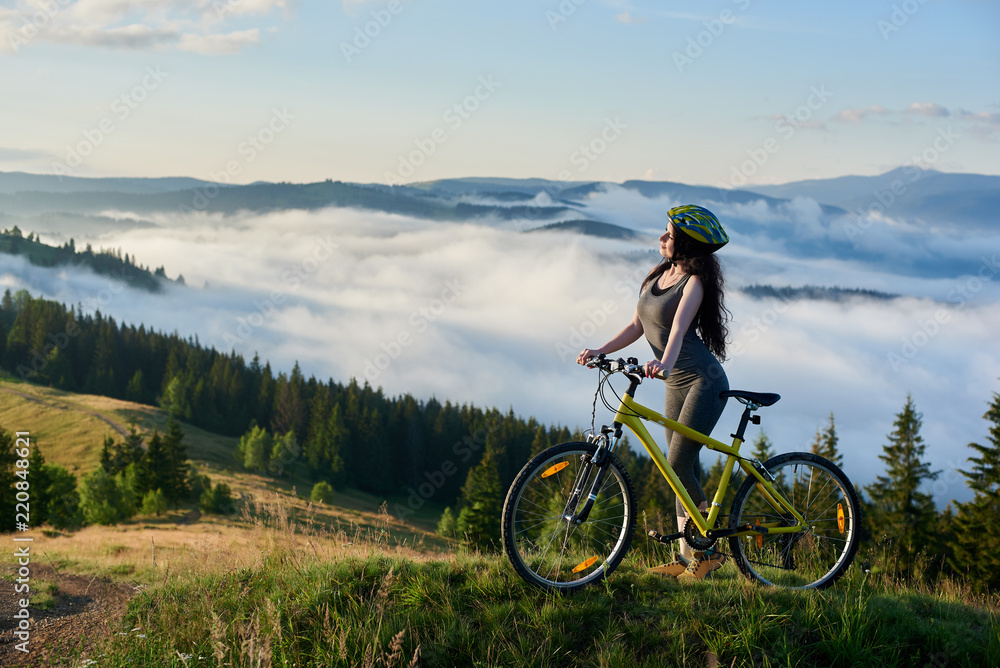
(656, 309)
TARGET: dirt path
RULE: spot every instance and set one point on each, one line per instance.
(31, 397)
(86, 609)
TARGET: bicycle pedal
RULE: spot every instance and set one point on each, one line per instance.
(660, 538)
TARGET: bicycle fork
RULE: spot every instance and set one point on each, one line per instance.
(601, 460)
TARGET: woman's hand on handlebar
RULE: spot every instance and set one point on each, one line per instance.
(655, 369)
(586, 354)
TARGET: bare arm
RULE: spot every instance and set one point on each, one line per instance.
(687, 309)
(626, 337)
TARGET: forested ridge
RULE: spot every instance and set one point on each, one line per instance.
(107, 262)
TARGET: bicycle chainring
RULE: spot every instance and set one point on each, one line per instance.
(694, 538)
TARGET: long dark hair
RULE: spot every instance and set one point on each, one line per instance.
(712, 315)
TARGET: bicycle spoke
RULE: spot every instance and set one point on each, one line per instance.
(814, 556)
(547, 549)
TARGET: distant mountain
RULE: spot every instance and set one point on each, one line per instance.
(813, 292)
(927, 195)
(13, 182)
(590, 228)
(488, 185)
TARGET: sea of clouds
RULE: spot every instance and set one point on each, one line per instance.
(483, 312)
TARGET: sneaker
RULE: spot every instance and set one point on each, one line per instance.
(702, 566)
(673, 569)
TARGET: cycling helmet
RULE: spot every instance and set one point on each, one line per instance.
(703, 231)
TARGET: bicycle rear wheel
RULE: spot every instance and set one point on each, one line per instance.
(548, 550)
(815, 557)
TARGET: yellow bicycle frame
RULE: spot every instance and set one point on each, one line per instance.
(627, 416)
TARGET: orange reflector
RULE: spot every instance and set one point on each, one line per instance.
(760, 536)
(555, 468)
(840, 517)
(584, 565)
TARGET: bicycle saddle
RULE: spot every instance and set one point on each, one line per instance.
(762, 398)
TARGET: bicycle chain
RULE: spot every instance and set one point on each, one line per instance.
(715, 549)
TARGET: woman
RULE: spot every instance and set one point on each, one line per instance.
(682, 314)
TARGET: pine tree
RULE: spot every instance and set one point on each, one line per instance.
(482, 501)
(102, 500)
(129, 451)
(337, 437)
(825, 444)
(175, 478)
(135, 390)
(900, 511)
(447, 525)
(64, 499)
(41, 480)
(151, 471)
(977, 544)
(107, 454)
(540, 441)
(762, 448)
(8, 479)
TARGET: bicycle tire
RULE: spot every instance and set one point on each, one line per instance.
(546, 550)
(814, 558)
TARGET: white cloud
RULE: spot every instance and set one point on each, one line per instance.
(927, 109)
(217, 44)
(187, 25)
(487, 315)
(857, 115)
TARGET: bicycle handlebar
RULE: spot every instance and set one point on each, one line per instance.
(630, 366)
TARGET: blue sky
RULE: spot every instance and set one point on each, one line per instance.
(719, 93)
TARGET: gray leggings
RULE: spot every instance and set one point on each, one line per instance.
(697, 406)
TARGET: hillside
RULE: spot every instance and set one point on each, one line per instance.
(69, 429)
(104, 262)
(287, 582)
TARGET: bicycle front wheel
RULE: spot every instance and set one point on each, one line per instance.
(544, 545)
(816, 556)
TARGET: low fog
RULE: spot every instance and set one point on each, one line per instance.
(482, 312)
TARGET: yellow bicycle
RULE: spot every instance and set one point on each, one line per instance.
(570, 514)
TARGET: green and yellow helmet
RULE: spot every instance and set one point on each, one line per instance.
(702, 229)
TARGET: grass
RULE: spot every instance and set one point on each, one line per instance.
(270, 591)
(294, 584)
(55, 417)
